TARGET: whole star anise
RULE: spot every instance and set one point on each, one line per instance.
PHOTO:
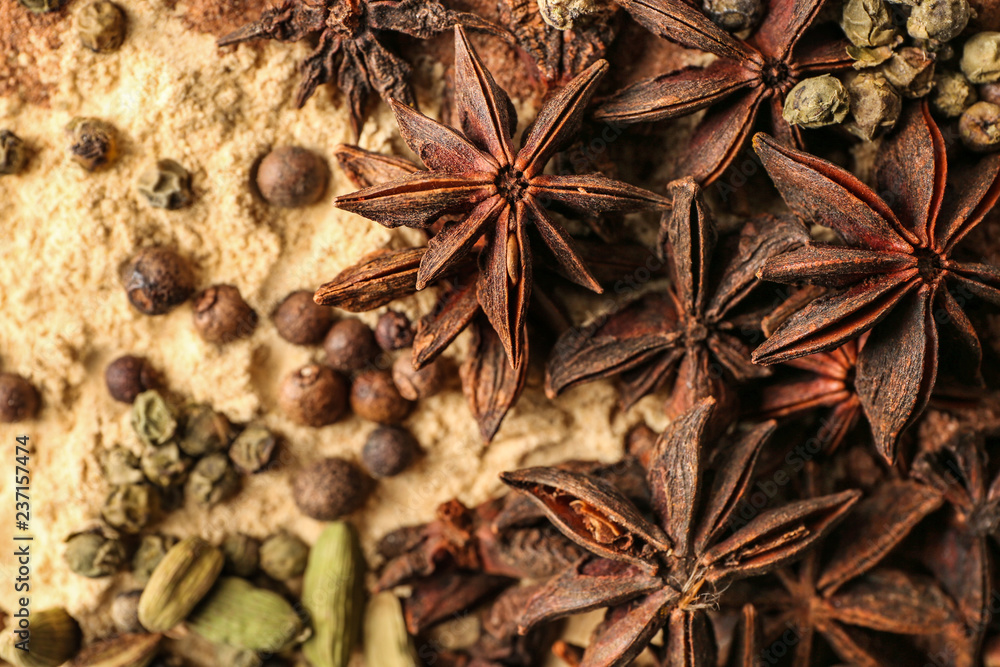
(748, 73)
(693, 328)
(894, 274)
(655, 576)
(351, 47)
(502, 193)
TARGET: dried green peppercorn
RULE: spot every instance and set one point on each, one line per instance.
(979, 127)
(222, 316)
(374, 397)
(120, 466)
(330, 488)
(128, 376)
(130, 507)
(981, 58)
(867, 23)
(291, 177)
(93, 144)
(242, 554)
(875, 105)
(101, 26)
(166, 185)
(151, 550)
(205, 431)
(816, 102)
(153, 420)
(18, 399)
(13, 153)
(125, 612)
(302, 321)
(157, 280)
(283, 556)
(93, 554)
(42, 6)
(941, 20)
(565, 14)
(911, 71)
(212, 480)
(253, 449)
(953, 93)
(734, 15)
(165, 466)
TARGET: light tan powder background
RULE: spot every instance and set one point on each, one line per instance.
(170, 93)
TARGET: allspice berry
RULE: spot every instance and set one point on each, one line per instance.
(18, 399)
(101, 26)
(374, 397)
(13, 153)
(393, 331)
(350, 345)
(128, 376)
(979, 127)
(283, 556)
(329, 489)
(222, 316)
(158, 280)
(92, 143)
(314, 395)
(166, 185)
(302, 321)
(291, 177)
(389, 451)
(415, 384)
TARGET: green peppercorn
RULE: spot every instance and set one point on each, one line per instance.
(212, 480)
(566, 14)
(205, 431)
(979, 127)
(166, 185)
(292, 177)
(734, 15)
(875, 105)
(283, 556)
(911, 71)
(940, 20)
(242, 554)
(165, 466)
(151, 550)
(43, 6)
(953, 93)
(867, 23)
(93, 554)
(153, 420)
(981, 58)
(130, 507)
(13, 153)
(120, 466)
(93, 144)
(253, 449)
(816, 102)
(101, 26)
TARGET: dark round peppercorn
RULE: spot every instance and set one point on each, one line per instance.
(128, 376)
(393, 331)
(350, 345)
(222, 316)
(375, 397)
(302, 321)
(414, 384)
(18, 399)
(291, 176)
(389, 451)
(158, 280)
(314, 395)
(330, 488)
(93, 144)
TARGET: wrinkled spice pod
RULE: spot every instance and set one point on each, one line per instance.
(238, 614)
(153, 420)
(180, 581)
(131, 650)
(333, 594)
(387, 643)
(54, 639)
(93, 144)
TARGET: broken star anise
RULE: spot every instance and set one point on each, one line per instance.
(691, 329)
(351, 48)
(894, 274)
(748, 73)
(654, 576)
(502, 193)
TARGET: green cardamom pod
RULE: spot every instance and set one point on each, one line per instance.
(238, 614)
(333, 594)
(54, 638)
(181, 579)
(129, 650)
(387, 643)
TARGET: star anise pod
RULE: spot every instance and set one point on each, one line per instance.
(501, 193)
(352, 48)
(747, 74)
(894, 274)
(667, 573)
(693, 329)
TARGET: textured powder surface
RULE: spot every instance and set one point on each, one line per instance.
(170, 93)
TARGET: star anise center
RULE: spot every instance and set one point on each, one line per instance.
(511, 184)
(930, 264)
(776, 74)
(346, 19)
(695, 332)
